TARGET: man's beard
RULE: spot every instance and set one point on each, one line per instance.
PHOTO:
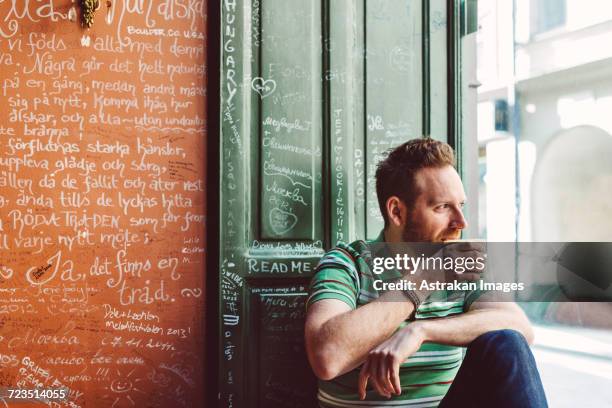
(412, 233)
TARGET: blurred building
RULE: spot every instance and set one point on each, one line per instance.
(545, 120)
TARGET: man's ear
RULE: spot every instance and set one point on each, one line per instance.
(397, 212)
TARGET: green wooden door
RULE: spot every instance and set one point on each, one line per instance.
(313, 93)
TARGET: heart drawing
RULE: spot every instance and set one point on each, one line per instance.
(5, 272)
(281, 221)
(263, 87)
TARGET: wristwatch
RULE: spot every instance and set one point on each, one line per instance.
(413, 297)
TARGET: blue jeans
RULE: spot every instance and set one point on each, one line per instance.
(498, 371)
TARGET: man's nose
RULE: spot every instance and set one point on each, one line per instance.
(458, 221)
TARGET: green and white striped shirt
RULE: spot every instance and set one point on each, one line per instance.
(425, 376)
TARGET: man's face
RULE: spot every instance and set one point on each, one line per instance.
(437, 214)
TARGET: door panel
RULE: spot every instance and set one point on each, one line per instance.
(289, 87)
(280, 374)
(393, 87)
(313, 93)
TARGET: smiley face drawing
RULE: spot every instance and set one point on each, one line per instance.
(122, 388)
(121, 385)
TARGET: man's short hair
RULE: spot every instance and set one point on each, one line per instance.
(395, 174)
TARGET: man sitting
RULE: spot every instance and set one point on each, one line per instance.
(410, 351)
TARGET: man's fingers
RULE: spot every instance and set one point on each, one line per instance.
(363, 379)
(468, 276)
(462, 246)
(379, 388)
(472, 253)
(394, 376)
(382, 374)
(373, 371)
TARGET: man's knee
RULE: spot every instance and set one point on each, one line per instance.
(509, 345)
(506, 338)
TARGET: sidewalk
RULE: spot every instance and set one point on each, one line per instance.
(575, 365)
(576, 340)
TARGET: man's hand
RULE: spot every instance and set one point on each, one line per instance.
(464, 256)
(383, 362)
(467, 250)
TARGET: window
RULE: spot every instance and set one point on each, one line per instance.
(543, 174)
(547, 15)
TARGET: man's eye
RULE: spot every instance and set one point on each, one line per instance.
(443, 206)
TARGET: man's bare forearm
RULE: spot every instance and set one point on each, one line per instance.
(463, 329)
(344, 340)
